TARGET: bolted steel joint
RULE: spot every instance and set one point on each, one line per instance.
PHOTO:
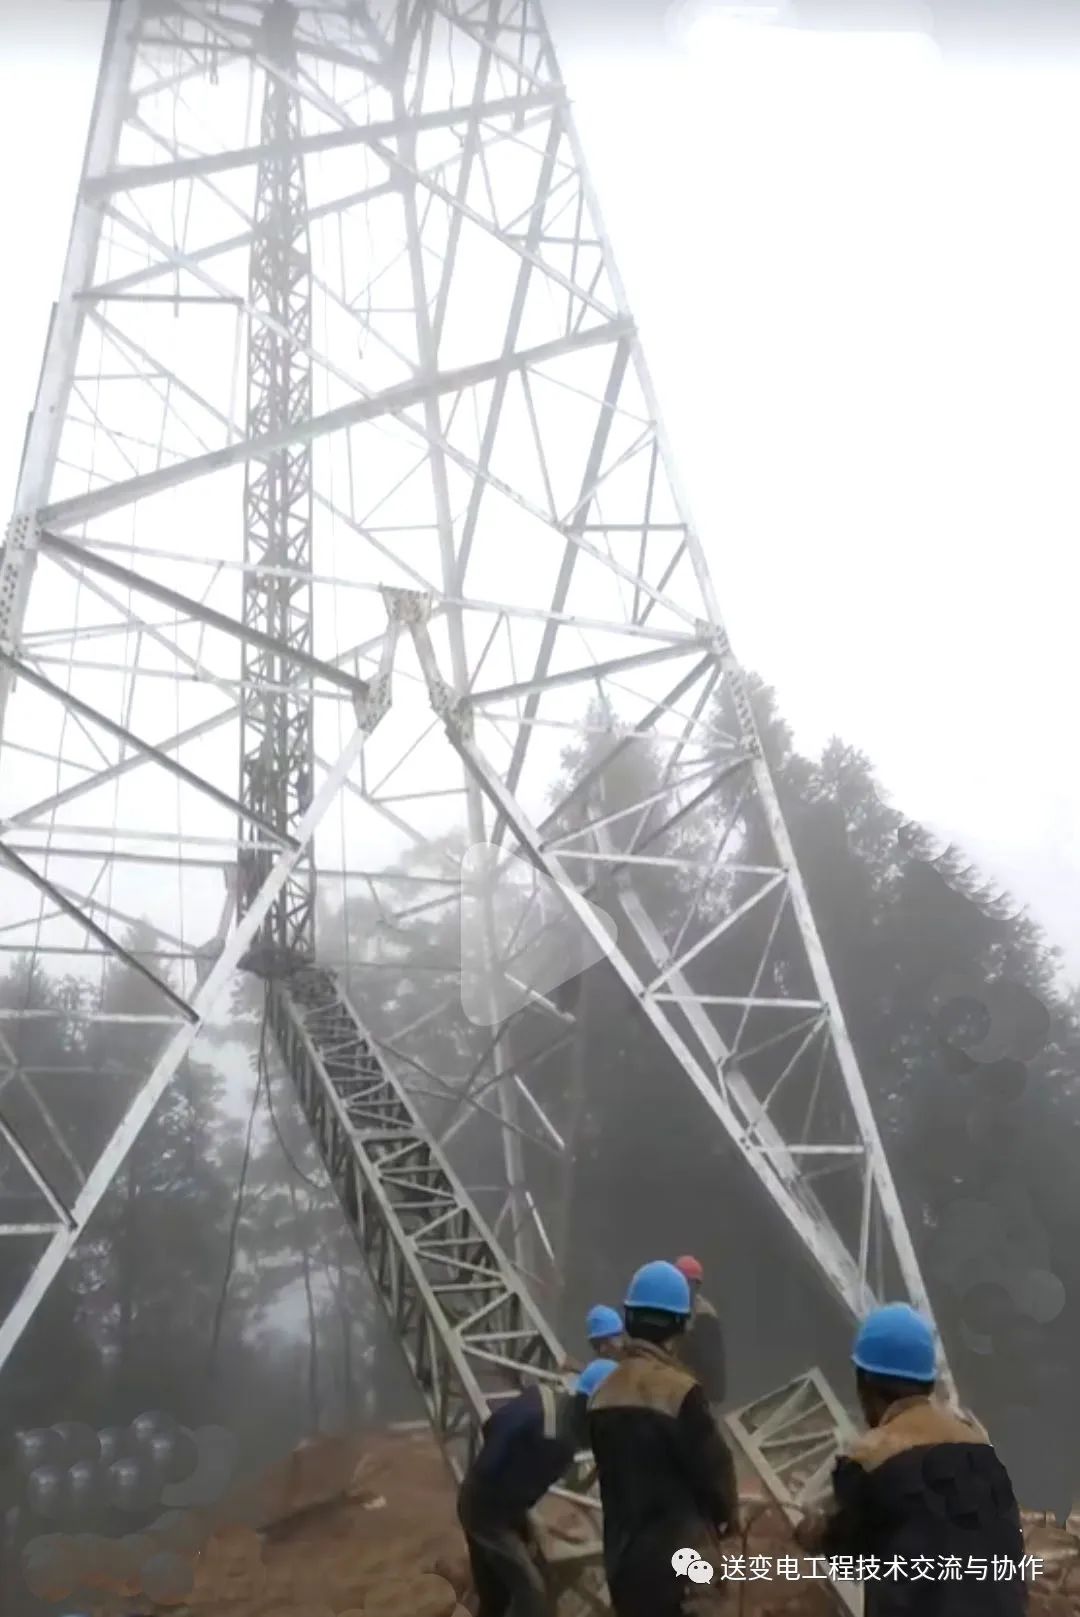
(21, 540)
(713, 637)
(374, 704)
(454, 711)
(407, 607)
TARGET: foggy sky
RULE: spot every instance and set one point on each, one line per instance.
(854, 272)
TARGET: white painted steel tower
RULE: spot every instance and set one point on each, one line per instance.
(344, 506)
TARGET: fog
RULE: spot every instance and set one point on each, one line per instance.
(852, 259)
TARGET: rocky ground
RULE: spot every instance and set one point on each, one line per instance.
(366, 1528)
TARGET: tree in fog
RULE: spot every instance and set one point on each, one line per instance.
(981, 1139)
(631, 1179)
(46, 1102)
(127, 1324)
(124, 1325)
(930, 964)
(150, 1258)
(294, 1302)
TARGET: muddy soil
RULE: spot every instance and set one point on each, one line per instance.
(366, 1528)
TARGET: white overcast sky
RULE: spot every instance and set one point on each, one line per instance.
(855, 271)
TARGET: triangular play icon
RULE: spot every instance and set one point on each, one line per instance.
(519, 938)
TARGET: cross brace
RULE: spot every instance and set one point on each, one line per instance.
(470, 1332)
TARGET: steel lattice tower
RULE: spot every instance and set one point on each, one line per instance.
(444, 541)
(277, 725)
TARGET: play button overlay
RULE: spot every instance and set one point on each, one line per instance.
(519, 938)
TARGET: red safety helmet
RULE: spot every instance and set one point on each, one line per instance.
(691, 1268)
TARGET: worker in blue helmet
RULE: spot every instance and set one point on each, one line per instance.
(605, 1334)
(922, 1487)
(528, 1444)
(667, 1480)
(604, 1329)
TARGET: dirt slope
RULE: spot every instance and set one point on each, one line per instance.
(366, 1528)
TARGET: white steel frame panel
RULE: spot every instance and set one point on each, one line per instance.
(519, 515)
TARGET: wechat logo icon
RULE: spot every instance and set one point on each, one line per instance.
(688, 1564)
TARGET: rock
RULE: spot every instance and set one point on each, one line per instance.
(294, 1581)
(233, 1546)
(183, 1531)
(1054, 1545)
(50, 1567)
(408, 1558)
(348, 1582)
(313, 1476)
(168, 1578)
(395, 1557)
(452, 1563)
(290, 1610)
(423, 1596)
(231, 1567)
(130, 1555)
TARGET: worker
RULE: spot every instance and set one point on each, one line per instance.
(922, 1483)
(604, 1329)
(528, 1444)
(702, 1346)
(667, 1479)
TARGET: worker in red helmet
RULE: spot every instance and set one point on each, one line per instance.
(702, 1349)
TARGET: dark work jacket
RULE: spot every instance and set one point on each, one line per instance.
(528, 1444)
(666, 1475)
(702, 1351)
(926, 1482)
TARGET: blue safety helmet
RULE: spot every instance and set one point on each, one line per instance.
(592, 1375)
(602, 1322)
(897, 1342)
(660, 1288)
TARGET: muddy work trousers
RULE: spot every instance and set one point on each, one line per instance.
(507, 1579)
(643, 1583)
(679, 1598)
